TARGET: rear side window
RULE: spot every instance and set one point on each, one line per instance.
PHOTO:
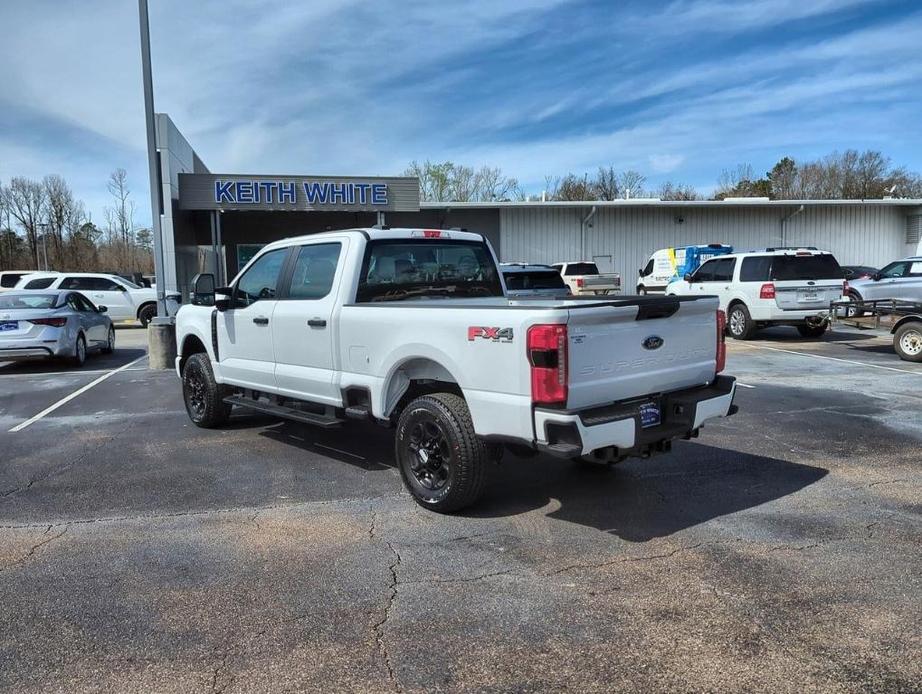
(756, 268)
(9, 279)
(539, 279)
(582, 269)
(409, 269)
(315, 267)
(18, 301)
(806, 267)
(40, 283)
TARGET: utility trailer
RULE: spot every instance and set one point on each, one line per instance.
(902, 318)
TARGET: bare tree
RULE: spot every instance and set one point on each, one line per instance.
(573, 187)
(677, 191)
(447, 182)
(120, 219)
(26, 201)
(632, 183)
(492, 184)
(606, 184)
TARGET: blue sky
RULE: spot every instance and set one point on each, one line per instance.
(678, 90)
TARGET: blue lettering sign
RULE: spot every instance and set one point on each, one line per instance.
(316, 192)
(287, 192)
(245, 191)
(378, 193)
(339, 192)
(362, 190)
(223, 191)
(267, 188)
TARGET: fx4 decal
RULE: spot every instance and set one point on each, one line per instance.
(495, 334)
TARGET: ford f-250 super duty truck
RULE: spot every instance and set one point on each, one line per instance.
(411, 328)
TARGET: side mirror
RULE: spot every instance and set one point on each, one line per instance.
(101, 309)
(876, 277)
(640, 272)
(222, 300)
(203, 290)
(688, 277)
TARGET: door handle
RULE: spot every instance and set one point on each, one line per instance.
(317, 323)
(260, 320)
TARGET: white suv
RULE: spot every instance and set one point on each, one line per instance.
(123, 299)
(777, 286)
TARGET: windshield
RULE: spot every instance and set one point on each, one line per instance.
(534, 279)
(822, 266)
(19, 301)
(404, 269)
(129, 283)
(582, 269)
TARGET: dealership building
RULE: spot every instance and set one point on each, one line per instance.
(215, 222)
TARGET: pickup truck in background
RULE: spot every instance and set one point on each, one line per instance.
(411, 328)
(584, 279)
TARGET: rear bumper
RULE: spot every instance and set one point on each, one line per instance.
(779, 315)
(567, 433)
(22, 353)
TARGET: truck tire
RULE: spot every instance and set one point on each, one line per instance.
(441, 460)
(813, 331)
(907, 341)
(739, 323)
(147, 313)
(854, 297)
(203, 396)
(641, 290)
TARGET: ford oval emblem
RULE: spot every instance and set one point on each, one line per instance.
(652, 342)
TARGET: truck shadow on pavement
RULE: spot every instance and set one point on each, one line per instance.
(639, 500)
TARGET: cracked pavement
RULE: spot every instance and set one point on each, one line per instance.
(778, 552)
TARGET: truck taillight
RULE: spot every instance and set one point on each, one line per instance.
(767, 291)
(721, 341)
(547, 356)
(579, 282)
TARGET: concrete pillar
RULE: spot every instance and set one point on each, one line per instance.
(161, 340)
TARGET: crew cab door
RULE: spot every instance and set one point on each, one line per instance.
(302, 325)
(245, 345)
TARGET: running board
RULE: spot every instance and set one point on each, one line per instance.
(320, 420)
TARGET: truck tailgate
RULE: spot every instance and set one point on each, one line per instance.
(631, 348)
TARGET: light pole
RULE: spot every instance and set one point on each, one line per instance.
(153, 168)
(161, 332)
(44, 227)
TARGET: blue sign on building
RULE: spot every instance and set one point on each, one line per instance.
(281, 192)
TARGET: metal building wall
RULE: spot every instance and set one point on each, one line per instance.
(867, 235)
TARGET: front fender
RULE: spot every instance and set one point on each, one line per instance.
(904, 320)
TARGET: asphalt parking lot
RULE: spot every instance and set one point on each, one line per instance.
(782, 550)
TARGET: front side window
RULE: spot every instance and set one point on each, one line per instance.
(895, 270)
(261, 278)
(104, 284)
(408, 269)
(723, 269)
(40, 283)
(315, 267)
(705, 272)
(84, 304)
(648, 269)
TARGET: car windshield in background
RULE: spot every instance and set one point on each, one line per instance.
(130, 284)
(399, 269)
(582, 269)
(537, 279)
(23, 301)
(806, 267)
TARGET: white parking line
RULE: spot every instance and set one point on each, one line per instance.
(744, 385)
(75, 372)
(845, 361)
(79, 391)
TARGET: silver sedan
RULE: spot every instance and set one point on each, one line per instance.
(47, 324)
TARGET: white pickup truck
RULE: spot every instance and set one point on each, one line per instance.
(584, 279)
(411, 328)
